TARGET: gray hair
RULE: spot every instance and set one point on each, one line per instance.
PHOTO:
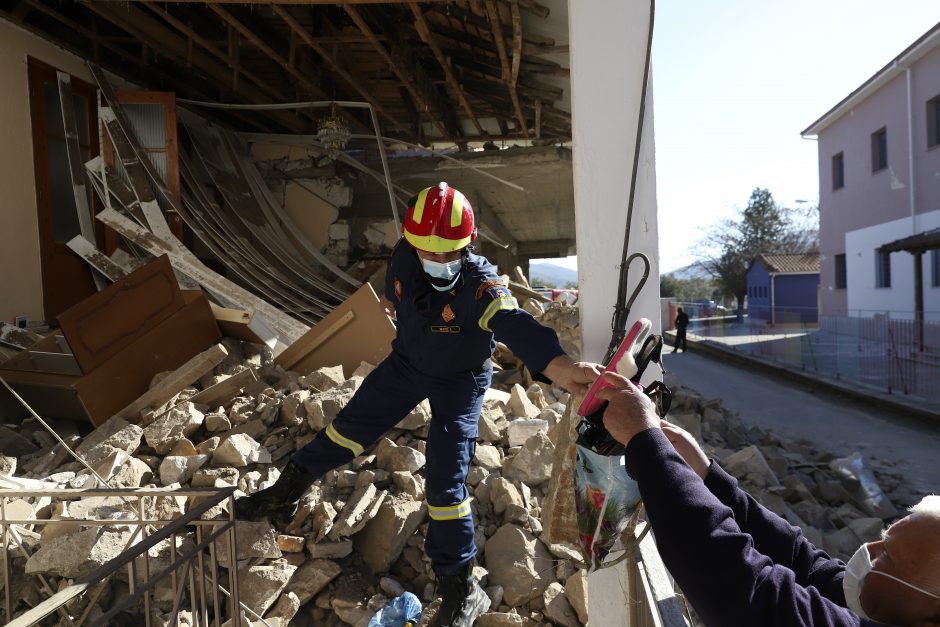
(928, 506)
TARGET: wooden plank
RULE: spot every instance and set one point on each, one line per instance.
(63, 344)
(233, 295)
(224, 391)
(244, 325)
(106, 323)
(96, 259)
(175, 382)
(520, 290)
(338, 340)
(80, 193)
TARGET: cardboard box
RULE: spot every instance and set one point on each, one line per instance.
(121, 337)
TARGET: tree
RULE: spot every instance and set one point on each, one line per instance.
(763, 226)
(686, 290)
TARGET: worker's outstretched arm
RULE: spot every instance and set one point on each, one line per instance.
(773, 536)
(715, 564)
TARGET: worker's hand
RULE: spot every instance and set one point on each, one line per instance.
(574, 376)
(629, 411)
(388, 307)
(687, 448)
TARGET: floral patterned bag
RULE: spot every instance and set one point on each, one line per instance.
(606, 497)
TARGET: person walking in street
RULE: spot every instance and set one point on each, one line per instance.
(682, 323)
(451, 308)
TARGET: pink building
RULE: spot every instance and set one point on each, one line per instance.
(879, 182)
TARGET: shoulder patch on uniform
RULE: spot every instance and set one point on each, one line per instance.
(498, 291)
(485, 285)
(398, 288)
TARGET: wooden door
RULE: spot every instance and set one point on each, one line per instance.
(66, 277)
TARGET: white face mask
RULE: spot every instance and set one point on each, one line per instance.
(856, 570)
(443, 275)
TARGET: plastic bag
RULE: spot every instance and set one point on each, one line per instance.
(606, 497)
(402, 611)
(860, 482)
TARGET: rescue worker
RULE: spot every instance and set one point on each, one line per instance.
(451, 309)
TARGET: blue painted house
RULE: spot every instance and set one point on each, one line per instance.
(784, 288)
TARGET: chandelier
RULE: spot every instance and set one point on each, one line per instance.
(333, 133)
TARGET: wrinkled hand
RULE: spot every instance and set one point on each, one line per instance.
(687, 448)
(574, 376)
(629, 411)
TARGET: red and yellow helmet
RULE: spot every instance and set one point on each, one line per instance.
(440, 220)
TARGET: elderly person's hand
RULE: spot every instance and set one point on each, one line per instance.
(687, 448)
(629, 411)
(574, 376)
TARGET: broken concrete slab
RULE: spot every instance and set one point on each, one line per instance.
(312, 577)
(260, 586)
(533, 463)
(180, 469)
(359, 509)
(382, 540)
(78, 554)
(180, 422)
(515, 559)
(239, 450)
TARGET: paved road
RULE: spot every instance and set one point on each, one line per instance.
(888, 439)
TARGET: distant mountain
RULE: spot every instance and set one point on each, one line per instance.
(691, 271)
(551, 274)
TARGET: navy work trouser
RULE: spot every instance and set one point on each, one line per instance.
(386, 396)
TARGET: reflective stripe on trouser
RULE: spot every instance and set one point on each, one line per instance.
(450, 540)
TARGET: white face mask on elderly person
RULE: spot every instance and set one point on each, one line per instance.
(856, 570)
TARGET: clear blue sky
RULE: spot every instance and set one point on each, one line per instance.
(734, 83)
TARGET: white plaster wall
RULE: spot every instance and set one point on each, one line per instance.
(20, 269)
(605, 108)
(864, 299)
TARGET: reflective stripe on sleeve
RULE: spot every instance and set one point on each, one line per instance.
(345, 442)
(450, 512)
(498, 304)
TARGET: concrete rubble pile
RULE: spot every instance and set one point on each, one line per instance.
(356, 539)
(837, 502)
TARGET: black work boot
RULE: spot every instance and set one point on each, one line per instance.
(462, 599)
(279, 499)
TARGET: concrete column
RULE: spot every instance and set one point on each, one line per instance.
(608, 41)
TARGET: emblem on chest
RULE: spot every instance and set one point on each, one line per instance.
(448, 314)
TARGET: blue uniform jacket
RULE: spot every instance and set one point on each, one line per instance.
(445, 333)
(737, 562)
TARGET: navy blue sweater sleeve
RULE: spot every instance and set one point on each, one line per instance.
(777, 539)
(536, 345)
(714, 562)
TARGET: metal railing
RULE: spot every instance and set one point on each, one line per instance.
(190, 578)
(881, 352)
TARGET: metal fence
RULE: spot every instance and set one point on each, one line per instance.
(171, 561)
(884, 353)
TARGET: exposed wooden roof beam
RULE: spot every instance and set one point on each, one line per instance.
(150, 31)
(508, 79)
(211, 49)
(248, 34)
(428, 102)
(307, 2)
(428, 38)
(301, 32)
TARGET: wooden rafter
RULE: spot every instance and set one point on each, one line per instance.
(427, 101)
(133, 20)
(496, 21)
(211, 49)
(366, 94)
(256, 41)
(425, 32)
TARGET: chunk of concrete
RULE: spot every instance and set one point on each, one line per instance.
(517, 561)
(557, 608)
(77, 554)
(519, 404)
(260, 586)
(239, 450)
(382, 540)
(576, 590)
(359, 509)
(312, 577)
(487, 457)
(180, 422)
(533, 463)
(179, 469)
(522, 429)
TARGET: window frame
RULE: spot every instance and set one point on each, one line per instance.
(882, 270)
(935, 267)
(933, 122)
(838, 170)
(841, 271)
(879, 150)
